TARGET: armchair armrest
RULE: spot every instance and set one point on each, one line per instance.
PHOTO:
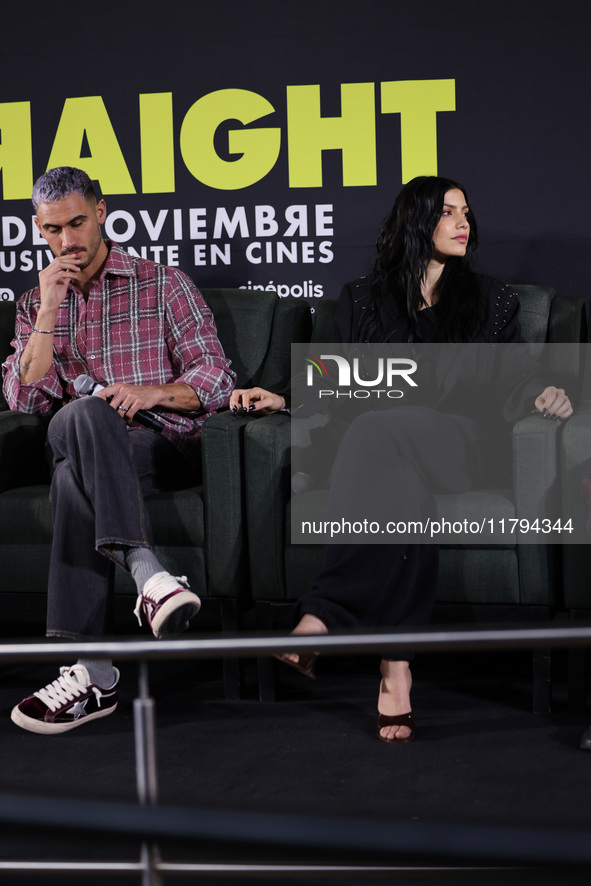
(224, 501)
(535, 468)
(268, 470)
(22, 452)
(267, 475)
(575, 461)
(536, 481)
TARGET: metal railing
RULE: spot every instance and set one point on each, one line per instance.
(453, 850)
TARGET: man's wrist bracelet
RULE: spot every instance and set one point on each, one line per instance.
(44, 331)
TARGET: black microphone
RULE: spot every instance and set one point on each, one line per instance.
(84, 384)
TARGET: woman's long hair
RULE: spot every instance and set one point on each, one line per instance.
(405, 247)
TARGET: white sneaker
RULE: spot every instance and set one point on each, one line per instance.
(168, 604)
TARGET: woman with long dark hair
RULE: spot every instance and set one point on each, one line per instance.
(422, 290)
(423, 259)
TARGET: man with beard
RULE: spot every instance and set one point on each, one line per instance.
(143, 332)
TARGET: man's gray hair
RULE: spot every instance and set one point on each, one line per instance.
(60, 182)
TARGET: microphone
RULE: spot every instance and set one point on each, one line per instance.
(84, 384)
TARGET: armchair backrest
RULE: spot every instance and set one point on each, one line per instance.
(256, 330)
(7, 318)
(323, 320)
(544, 316)
(535, 303)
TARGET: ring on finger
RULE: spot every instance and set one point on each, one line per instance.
(123, 408)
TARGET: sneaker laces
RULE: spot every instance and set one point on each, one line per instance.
(159, 586)
(66, 688)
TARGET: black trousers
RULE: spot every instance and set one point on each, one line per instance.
(389, 466)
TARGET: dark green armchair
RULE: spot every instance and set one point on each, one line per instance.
(476, 581)
(199, 532)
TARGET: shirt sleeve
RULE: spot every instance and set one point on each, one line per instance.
(195, 347)
(34, 397)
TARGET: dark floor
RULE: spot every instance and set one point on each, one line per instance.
(481, 759)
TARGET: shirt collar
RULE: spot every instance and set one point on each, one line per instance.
(119, 262)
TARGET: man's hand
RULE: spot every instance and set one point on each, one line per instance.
(127, 399)
(55, 279)
(555, 402)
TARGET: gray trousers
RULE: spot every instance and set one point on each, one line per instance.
(101, 473)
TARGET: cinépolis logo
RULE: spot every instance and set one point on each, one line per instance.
(359, 378)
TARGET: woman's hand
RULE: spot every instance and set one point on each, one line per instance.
(255, 400)
(555, 402)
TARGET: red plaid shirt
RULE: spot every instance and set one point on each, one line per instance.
(144, 324)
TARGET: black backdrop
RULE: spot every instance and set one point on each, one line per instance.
(148, 96)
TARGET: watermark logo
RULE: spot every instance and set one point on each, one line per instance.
(360, 377)
(314, 363)
(349, 371)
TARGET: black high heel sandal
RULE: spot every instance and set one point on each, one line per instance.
(400, 720)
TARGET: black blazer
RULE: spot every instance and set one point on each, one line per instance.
(469, 379)
(501, 324)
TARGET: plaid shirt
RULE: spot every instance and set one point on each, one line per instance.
(143, 324)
